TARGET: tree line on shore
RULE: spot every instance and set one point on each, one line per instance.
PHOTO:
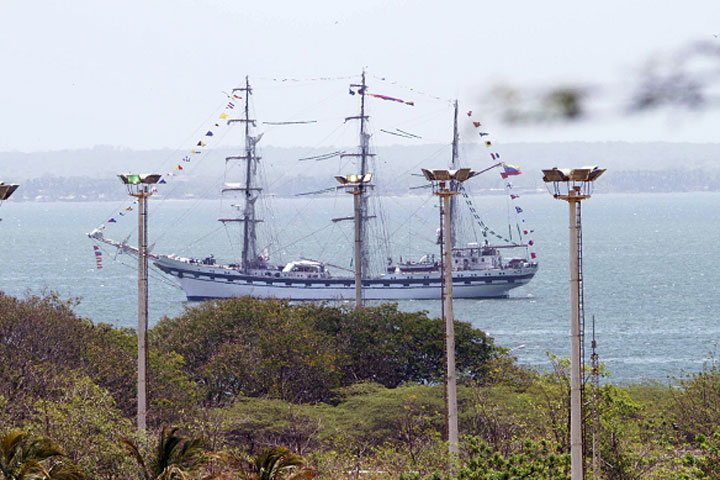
(246, 387)
(78, 189)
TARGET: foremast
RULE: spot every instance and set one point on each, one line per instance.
(249, 188)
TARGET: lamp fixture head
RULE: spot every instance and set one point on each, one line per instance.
(7, 189)
(137, 182)
(576, 182)
(441, 178)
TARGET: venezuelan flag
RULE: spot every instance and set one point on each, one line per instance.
(510, 170)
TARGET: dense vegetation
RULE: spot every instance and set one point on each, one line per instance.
(251, 388)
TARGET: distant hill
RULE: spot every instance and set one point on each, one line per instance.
(89, 174)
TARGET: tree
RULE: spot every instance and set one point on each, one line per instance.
(24, 459)
(174, 456)
(626, 451)
(252, 347)
(262, 422)
(384, 345)
(278, 463)
(407, 417)
(111, 361)
(535, 461)
(695, 407)
(707, 462)
(301, 352)
(84, 416)
(553, 409)
(39, 338)
(42, 342)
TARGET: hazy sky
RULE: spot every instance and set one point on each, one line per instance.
(145, 74)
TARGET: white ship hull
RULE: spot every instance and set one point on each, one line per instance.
(203, 282)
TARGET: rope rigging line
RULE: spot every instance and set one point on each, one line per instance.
(411, 216)
(408, 133)
(174, 154)
(199, 160)
(202, 158)
(172, 226)
(297, 122)
(297, 81)
(304, 111)
(324, 156)
(411, 89)
(416, 167)
(286, 246)
(477, 218)
(316, 192)
(229, 237)
(152, 270)
(299, 217)
(159, 275)
(213, 232)
(400, 133)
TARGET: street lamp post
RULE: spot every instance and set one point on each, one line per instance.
(356, 185)
(574, 186)
(445, 184)
(138, 187)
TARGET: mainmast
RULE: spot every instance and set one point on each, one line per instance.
(361, 209)
(249, 189)
(454, 165)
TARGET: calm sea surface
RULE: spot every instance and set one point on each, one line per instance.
(652, 280)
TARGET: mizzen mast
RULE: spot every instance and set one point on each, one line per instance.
(250, 190)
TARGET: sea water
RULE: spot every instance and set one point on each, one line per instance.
(652, 282)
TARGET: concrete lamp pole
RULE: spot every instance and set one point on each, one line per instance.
(574, 186)
(357, 185)
(445, 184)
(138, 187)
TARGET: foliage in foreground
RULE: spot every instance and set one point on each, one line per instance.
(351, 392)
(536, 461)
(26, 458)
(303, 352)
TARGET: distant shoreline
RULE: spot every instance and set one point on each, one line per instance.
(120, 197)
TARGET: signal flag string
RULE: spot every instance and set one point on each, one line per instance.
(197, 150)
(506, 171)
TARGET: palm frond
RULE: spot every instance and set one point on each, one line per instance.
(42, 449)
(65, 471)
(303, 474)
(191, 453)
(278, 463)
(132, 448)
(29, 469)
(172, 472)
(9, 445)
(167, 443)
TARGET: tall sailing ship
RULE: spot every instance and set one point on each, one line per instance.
(479, 269)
